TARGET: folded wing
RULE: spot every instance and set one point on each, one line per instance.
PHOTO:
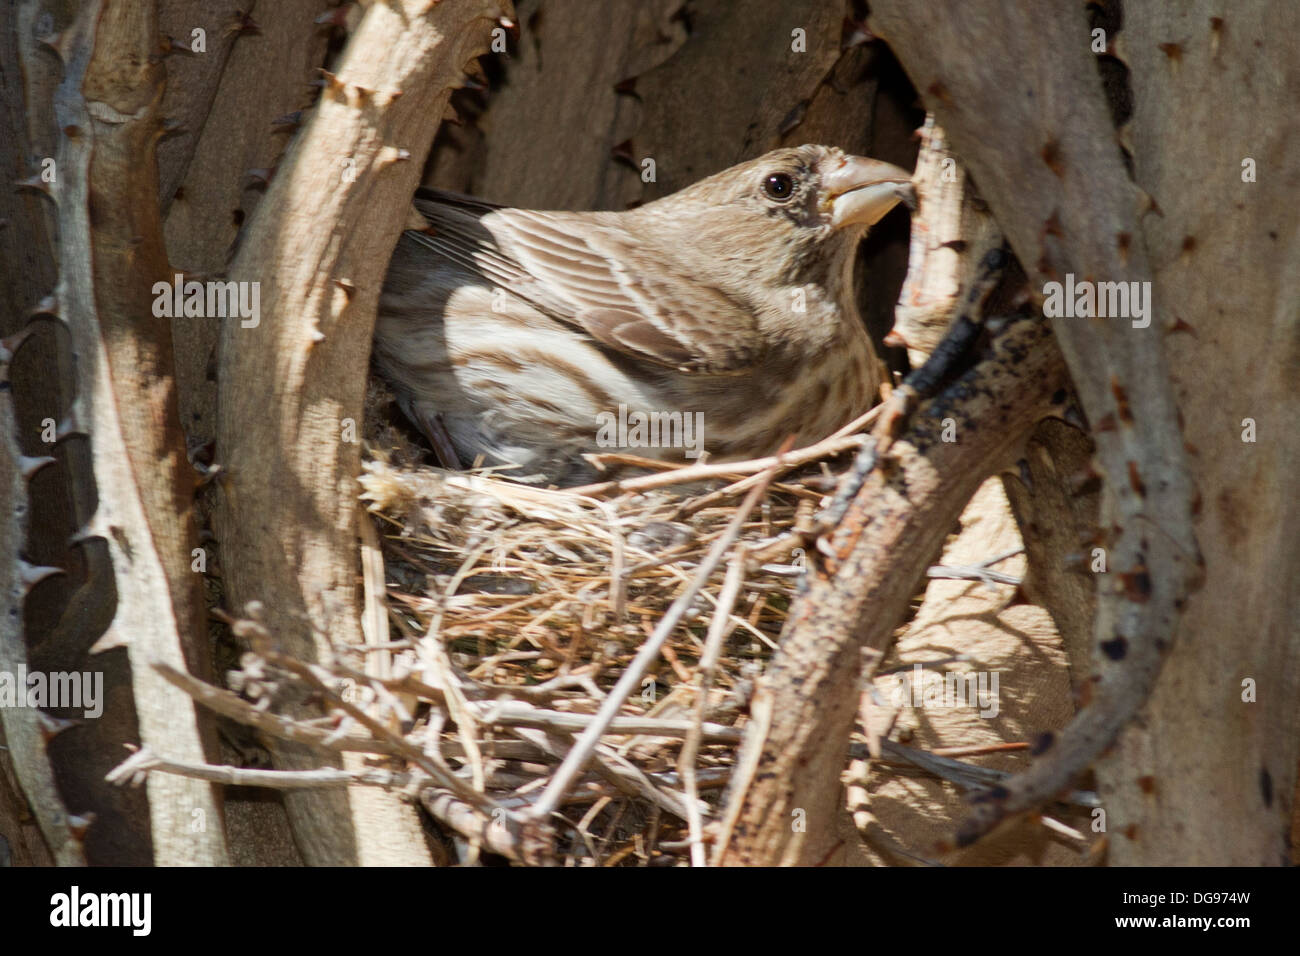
(586, 270)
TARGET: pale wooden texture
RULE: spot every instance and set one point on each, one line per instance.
(950, 237)
(266, 76)
(1057, 510)
(748, 101)
(65, 613)
(319, 245)
(1034, 127)
(547, 134)
(107, 113)
(193, 78)
(227, 102)
(1226, 260)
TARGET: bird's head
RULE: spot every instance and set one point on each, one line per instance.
(794, 214)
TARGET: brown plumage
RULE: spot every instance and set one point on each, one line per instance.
(726, 308)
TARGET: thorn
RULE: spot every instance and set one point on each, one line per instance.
(449, 115)
(29, 465)
(78, 824)
(33, 574)
(338, 17)
(793, 118)
(1084, 480)
(1147, 203)
(1025, 478)
(1073, 416)
(87, 532)
(333, 85)
(288, 122)
(1085, 693)
(243, 23)
(172, 127)
(51, 727)
(623, 151)
(626, 87)
(34, 182)
(110, 639)
(55, 42)
(9, 346)
(894, 339)
(390, 155)
(168, 46)
(73, 424)
(1122, 407)
(854, 33)
(260, 176)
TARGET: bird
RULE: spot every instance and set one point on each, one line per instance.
(714, 322)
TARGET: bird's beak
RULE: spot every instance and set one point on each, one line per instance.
(862, 190)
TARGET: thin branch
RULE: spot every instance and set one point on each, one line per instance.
(628, 683)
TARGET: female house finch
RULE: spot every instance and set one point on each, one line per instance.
(721, 317)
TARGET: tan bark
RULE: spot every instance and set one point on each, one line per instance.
(111, 253)
(65, 613)
(291, 389)
(22, 728)
(1208, 778)
(1058, 187)
(805, 704)
(227, 141)
(547, 135)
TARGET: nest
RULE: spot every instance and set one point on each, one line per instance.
(556, 676)
(508, 614)
(542, 599)
(533, 583)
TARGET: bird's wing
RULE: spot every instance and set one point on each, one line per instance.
(585, 270)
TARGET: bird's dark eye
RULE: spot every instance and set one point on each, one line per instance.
(778, 186)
